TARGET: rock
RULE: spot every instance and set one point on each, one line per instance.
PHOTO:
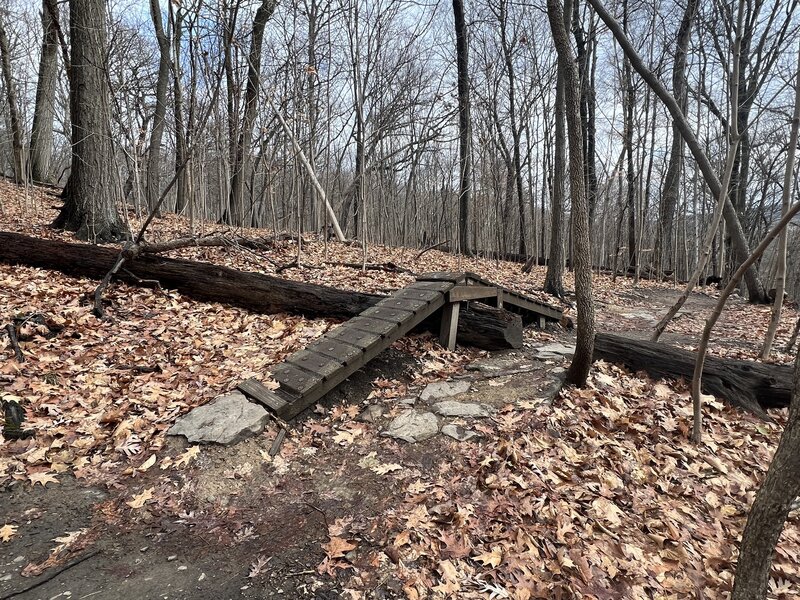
(511, 362)
(225, 420)
(555, 350)
(451, 408)
(413, 426)
(459, 433)
(444, 389)
(372, 413)
(410, 401)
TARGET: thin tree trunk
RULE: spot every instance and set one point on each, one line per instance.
(788, 181)
(554, 277)
(41, 149)
(242, 155)
(160, 113)
(17, 148)
(584, 347)
(671, 189)
(464, 127)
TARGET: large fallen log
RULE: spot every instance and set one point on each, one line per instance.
(750, 385)
(482, 327)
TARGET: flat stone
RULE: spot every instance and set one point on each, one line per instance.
(444, 389)
(459, 433)
(372, 413)
(451, 408)
(413, 426)
(500, 363)
(555, 350)
(410, 401)
(225, 420)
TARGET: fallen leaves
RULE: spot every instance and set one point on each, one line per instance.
(42, 478)
(337, 547)
(187, 457)
(7, 531)
(139, 500)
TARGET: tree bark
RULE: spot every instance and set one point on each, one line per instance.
(17, 148)
(485, 327)
(752, 386)
(91, 192)
(242, 156)
(756, 291)
(770, 507)
(671, 190)
(160, 113)
(41, 149)
(582, 361)
(554, 277)
(464, 126)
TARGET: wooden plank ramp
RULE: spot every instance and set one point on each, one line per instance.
(307, 375)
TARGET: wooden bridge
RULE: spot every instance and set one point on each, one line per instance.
(309, 374)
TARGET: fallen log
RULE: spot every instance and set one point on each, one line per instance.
(254, 291)
(753, 386)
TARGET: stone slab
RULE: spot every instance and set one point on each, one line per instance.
(225, 420)
(413, 426)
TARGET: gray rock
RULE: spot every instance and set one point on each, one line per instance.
(410, 401)
(372, 413)
(451, 408)
(225, 420)
(444, 389)
(555, 350)
(500, 363)
(459, 433)
(413, 426)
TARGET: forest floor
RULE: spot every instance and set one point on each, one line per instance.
(593, 493)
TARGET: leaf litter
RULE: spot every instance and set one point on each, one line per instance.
(598, 495)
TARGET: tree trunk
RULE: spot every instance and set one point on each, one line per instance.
(485, 327)
(159, 115)
(41, 150)
(753, 386)
(91, 192)
(554, 277)
(242, 157)
(770, 508)
(17, 148)
(671, 190)
(464, 127)
(582, 361)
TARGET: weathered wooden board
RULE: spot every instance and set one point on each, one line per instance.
(376, 326)
(448, 277)
(337, 350)
(393, 315)
(417, 294)
(436, 286)
(316, 363)
(294, 379)
(463, 293)
(406, 304)
(356, 337)
(258, 391)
